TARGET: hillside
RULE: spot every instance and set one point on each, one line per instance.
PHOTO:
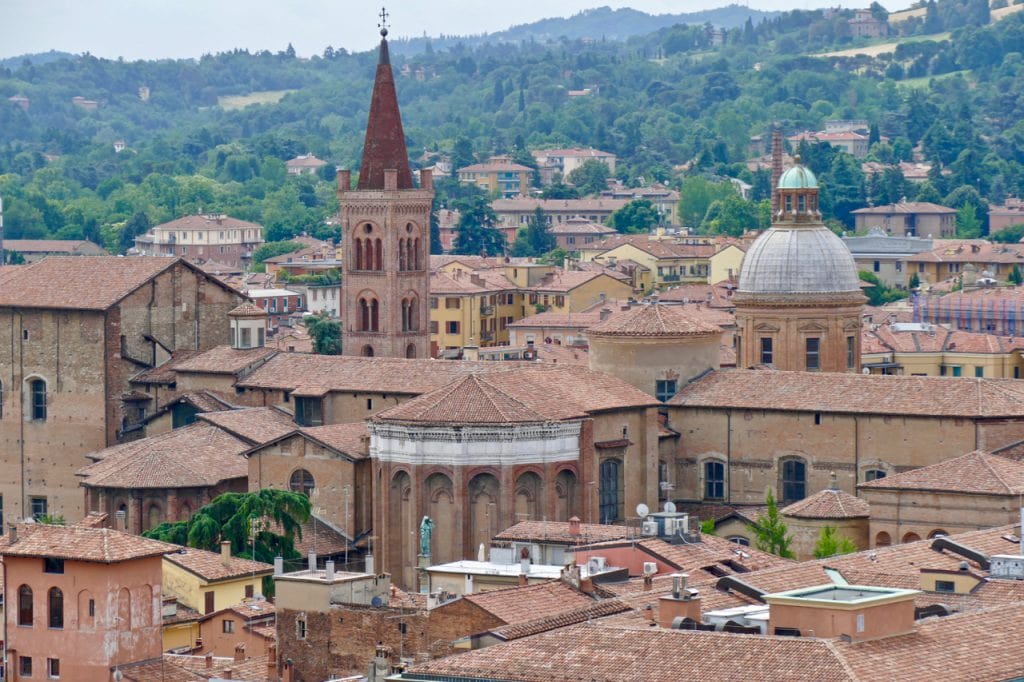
(602, 23)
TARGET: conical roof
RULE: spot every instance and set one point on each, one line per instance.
(384, 148)
(655, 320)
(470, 400)
(828, 504)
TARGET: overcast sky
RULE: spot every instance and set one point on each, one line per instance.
(139, 29)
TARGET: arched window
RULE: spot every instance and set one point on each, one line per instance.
(794, 480)
(410, 350)
(25, 605)
(37, 392)
(714, 480)
(874, 474)
(911, 537)
(378, 255)
(357, 248)
(410, 318)
(367, 351)
(883, 539)
(937, 533)
(154, 517)
(302, 482)
(417, 263)
(367, 254)
(402, 262)
(55, 603)
(740, 540)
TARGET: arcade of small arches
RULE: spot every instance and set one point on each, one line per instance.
(468, 515)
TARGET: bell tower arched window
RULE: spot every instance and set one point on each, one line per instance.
(410, 314)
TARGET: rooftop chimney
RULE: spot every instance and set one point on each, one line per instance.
(239, 652)
(329, 571)
(225, 552)
(120, 519)
(682, 603)
(278, 565)
(12, 532)
(574, 525)
(312, 560)
(208, 660)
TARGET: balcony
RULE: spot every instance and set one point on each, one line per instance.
(486, 336)
(670, 278)
(486, 310)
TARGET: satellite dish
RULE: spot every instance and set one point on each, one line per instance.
(642, 510)
(377, 601)
(866, 370)
(670, 507)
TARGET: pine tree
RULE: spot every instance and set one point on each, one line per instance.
(770, 531)
(831, 543)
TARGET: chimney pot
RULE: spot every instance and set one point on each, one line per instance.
(208, 660)
(227, 674)
(12, 533)
(574, 525)
(225, 552)
(427, 179)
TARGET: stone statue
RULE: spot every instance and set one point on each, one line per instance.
(426, 530)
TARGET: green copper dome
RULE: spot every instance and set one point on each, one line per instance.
(798, 177)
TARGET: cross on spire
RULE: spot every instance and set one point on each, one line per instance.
(383, 25)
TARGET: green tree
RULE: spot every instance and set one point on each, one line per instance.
(1015, 278)
(696, 196)
(968, 225)
(326, 334)
(271, 249)
(559, 190)
(831, 543)
(770, 532)
(137, 225)
(249, 521)
(1009, 235)
(475, 234)
(878, 293)
(915, 281)
(591, 177)
(637, 216)
(536, 238)
(462, 155)
(733, 216)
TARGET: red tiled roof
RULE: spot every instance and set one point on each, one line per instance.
(495, 168)
(905, 207)
(253, 424)
(829, 504)
(659, 248)
(558, 532)
(580, 226)
(470, 400)
(350, 439)
(524, 604)
(93, 283)
(47, 245)
(977, 472)
(655, 321)
(207, 222)
(224, 360)
(855, 394)
(195, 456)
(78, 543)
(210, 566)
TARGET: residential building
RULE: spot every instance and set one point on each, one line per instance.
(77, 330)
(923, 349)
(570, 291)
(247, 627)
(974, 491)
(954, 259)
(499, 176)
(210, 581)
(799, 303)
(559, 328)
(84, 601)
(201, 238)
(279, 305)
(851, 142)
(304, 163)
(37, 249)
(865, 25)
(472, 307)
(908, 219)
(385, 225)
(517, 212)
(665, 199)
(83, 103)
(311, 260)
(751, 431)
(725, 263)
(884, 255)
(990, 310)
(1009, 214)
(565, 161)
(575, 233)
(671, 260)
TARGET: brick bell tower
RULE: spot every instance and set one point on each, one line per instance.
(385, 226)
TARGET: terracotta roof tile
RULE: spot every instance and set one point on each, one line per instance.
(829, 504)
(350, 439)
(207, 222)
(524, 604)
(563, 619)
(977, 472)
(661, 247)
(195, 456)
(558, 532)
(164, 374)
(603, 652)
(470, 400)
(225, 360)
(100, 545)
(255, 424)
(47, 245)
(655, 321)
(210, 566)
(855, 394)
(93, 283)
(905, 207)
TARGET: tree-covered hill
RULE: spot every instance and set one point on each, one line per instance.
(672, 105)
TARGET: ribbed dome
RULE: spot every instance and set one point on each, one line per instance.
(798, 260)
(798, 177)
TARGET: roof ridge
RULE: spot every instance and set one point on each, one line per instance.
(988, 465)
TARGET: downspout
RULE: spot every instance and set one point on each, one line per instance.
(21, 413)
(856, 453)
(728, 453)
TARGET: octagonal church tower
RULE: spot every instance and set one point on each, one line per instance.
(799, 301)
(385, 226)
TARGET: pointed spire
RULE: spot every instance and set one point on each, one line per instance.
(384, 148)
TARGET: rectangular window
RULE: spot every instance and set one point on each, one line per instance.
(945, 586)
(25, 666)
(813, 354)
(434, 327)
(228, 626)
(300, 628)
(766, 350)
(664, 389)
(899, 266)
(878, 266)
(433, 303)
(53, 565)
(246, 337)
(39, 507)
(958, 370)
(309, 411)
(208, 599)
(92, 608)
(452, 303)
(979, 371)
(559, 301)
(249, 591)
(452, 327)
(851, 355)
